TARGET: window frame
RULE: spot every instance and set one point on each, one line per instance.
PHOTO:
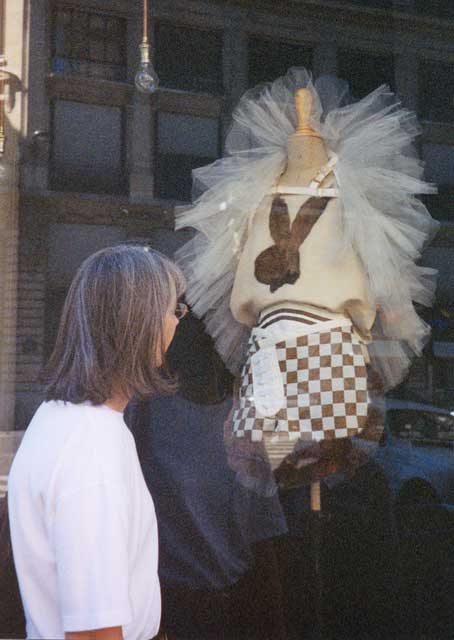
(370, 54)
(169, 101)
(91, 90)
(423, 118)
(89, 11)
(123, 150)
(194, 26)
(280, 37)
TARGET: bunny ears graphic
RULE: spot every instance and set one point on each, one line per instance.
(280, 264)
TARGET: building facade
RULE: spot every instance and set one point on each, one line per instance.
(100, 164)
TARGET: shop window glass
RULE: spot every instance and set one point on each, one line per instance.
(269, 59)
(422, 427)
(435, 8)
(364, 71)
(439, 161)
(89, 44)
(87, 148)
(189, 59)
(184, 143)
(69, 245)
(436, 91)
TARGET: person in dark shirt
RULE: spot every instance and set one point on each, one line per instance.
(218, 569)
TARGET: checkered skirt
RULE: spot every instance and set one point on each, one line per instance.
(325, 387)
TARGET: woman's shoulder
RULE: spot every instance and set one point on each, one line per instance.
(83, 413)
(95, 429)
(99, 446)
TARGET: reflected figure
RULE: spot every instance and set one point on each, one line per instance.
(357, 558)
(217, 539)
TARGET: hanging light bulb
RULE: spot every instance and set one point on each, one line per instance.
(146, 78)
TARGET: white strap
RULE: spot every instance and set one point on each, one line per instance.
(330, 192)
(327, 168)
(314, 189)
(264, 339)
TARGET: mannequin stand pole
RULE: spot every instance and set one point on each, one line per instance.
(317, 539)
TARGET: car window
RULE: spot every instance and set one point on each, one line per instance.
(422, 426)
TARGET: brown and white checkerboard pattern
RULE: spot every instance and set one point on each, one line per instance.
(325, 385)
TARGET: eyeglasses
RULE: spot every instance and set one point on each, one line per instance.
(181, 310)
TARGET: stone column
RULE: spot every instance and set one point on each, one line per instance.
(235, 64)
(35, 145)
(15, 50)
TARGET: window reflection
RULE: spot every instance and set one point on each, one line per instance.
(198, 65)
(365, 71)
(87, 149)
(89, 44)
(185, 142)
(268, 59)
(422, 426)
(436, 91)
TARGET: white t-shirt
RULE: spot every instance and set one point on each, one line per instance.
(83, 525)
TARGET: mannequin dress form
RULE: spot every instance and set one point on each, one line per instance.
(302, 226)
(300, 198)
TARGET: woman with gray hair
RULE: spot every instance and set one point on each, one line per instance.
(83, 524)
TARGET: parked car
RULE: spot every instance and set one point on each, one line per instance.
(417, 452)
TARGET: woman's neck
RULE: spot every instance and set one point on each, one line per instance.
(117, 402)
(306, 154)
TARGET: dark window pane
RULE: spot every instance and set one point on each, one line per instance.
(68, 246)
(96, 49)
(269, 59)
(79, 35)
(435, 8)
(89, 44)
(173, 177)
(442, 320)
(441, 204)
(364, 71)
(184, 143)
(97, 26)
(401, 423)
(439, 163)
(375, 4)
(112, 53)
(87, 153)
(436, 91)
(410, 424)
(114, 27)
(62, 25)
(422, 426)
(189, 59)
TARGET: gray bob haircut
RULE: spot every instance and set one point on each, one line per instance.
(111, 334)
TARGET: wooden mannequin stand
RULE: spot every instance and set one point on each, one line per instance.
(306, 155)
(317, 541)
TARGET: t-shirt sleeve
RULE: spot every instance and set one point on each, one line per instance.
(90, 537)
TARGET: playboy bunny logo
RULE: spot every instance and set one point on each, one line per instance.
(280, 264)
